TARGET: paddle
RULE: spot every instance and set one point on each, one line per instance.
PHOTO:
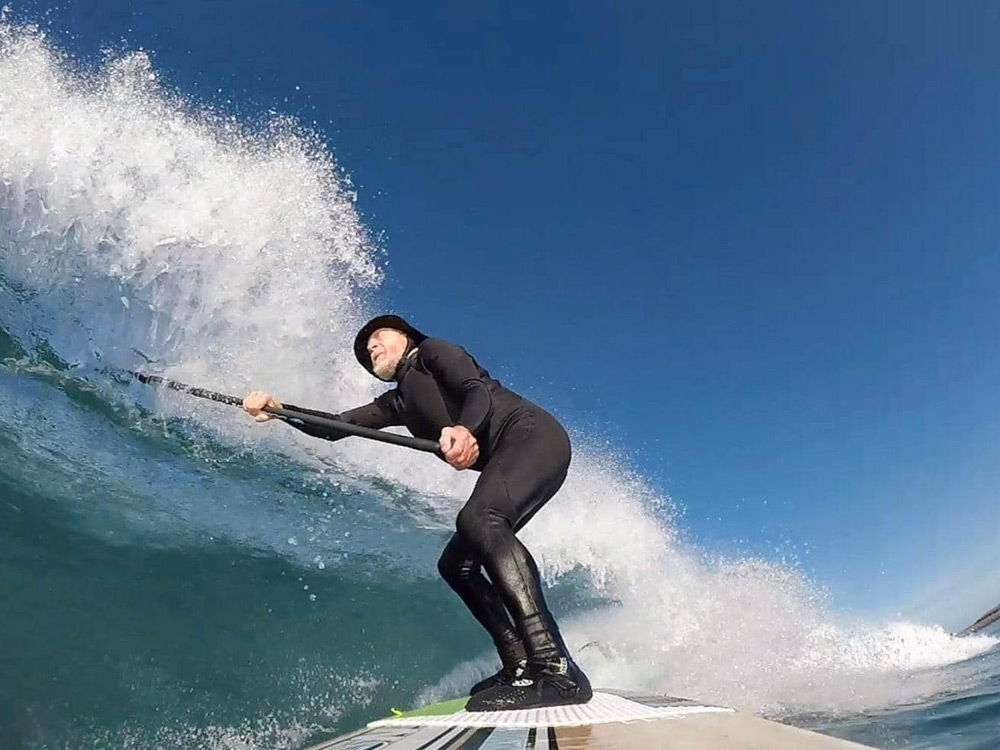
(292, 412)
(982, 623)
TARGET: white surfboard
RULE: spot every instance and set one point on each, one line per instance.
(612, 720)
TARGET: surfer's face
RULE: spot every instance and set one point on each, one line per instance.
(386, 347)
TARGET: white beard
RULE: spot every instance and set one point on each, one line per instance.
(386, 367)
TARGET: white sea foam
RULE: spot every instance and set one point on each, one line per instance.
(749, 633)
(131, 221)
(235, 257)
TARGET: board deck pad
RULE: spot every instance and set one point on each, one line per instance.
(603, 708)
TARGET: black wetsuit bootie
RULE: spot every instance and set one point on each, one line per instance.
(505, 676)
(558, 682)
(513, 658)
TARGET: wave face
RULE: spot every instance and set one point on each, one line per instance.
(180, 576)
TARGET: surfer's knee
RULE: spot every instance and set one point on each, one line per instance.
(446, 567)
(481, 527)
(449, 563)
(454, 565)
(469, 525)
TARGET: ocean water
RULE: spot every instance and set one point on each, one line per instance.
(174, 575)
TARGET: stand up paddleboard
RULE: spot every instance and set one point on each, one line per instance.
(612, 720)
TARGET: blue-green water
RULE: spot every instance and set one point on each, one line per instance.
(173, 575)
(142, 599)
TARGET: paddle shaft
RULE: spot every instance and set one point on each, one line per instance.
(982, 623)
(292, 412)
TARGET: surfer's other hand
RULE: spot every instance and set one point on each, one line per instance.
(459, 446)
(255, 402)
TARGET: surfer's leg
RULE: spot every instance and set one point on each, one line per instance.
(464, 573)
(525, 471)
(510, 566)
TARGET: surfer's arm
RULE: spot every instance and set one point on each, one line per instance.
(454, 369)
(381, 412)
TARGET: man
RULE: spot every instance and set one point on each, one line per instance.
(522, 454)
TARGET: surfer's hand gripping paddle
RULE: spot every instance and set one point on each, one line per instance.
(290, 413)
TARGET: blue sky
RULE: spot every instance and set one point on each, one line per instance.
(753, 246)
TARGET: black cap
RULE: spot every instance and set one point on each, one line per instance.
(382, 321)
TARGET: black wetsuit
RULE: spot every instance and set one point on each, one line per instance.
(524, 454)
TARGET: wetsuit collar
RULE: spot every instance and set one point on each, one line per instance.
(405, 363)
